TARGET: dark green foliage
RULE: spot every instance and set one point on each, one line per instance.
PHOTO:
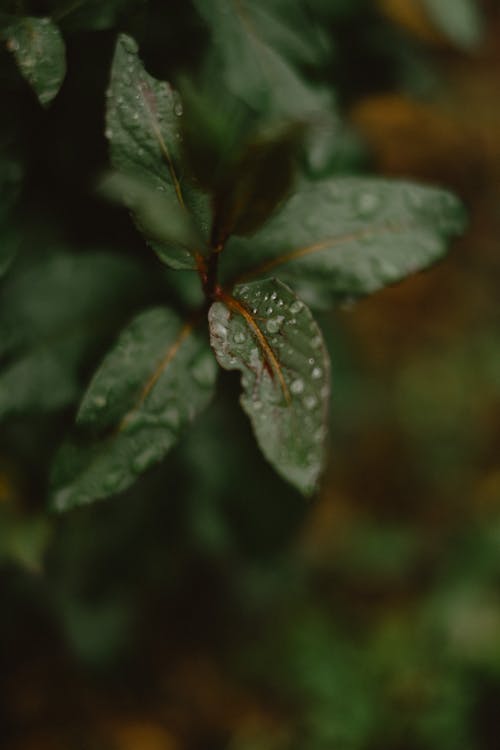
(38, 48)
(205, 599)
(334, 238)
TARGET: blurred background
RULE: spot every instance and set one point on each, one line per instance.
(210, 607)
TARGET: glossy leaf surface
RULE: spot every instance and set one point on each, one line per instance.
(350, 236)
(39, 50)
(143, 128)
(269, 334)
(155, 381)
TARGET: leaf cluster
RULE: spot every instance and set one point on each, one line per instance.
(213, 181)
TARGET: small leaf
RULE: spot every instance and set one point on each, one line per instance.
(38, 48)
(350, 236)
(269, 334)
(51, 316)
(143, 128)
(255, 184)
(155, 381)
(157, 215)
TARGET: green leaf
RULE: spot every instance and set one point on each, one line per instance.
(152, 384)
(349, 236)
(252, 67)
(269, 334)
(143, 128)
(212, 135)
(38, 48)
(51, 316)
(255, 184)
(158, 216)
(460, 20)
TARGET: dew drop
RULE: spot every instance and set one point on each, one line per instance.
(367, 203)
(310, 402)
(273, 325)
(178, 109)
(297, 386)
(100, 401)
(239, 337)
(316, 373)
(220, 330)
(316, 342)
(296, 307)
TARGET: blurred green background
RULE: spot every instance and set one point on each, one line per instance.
(211, 607)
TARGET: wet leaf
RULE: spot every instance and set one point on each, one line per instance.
(51, 316)
(350, 236)
(143, 128)
(151, 385)
(269, 334)
(38, 48)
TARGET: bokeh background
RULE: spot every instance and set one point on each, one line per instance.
(210, 607)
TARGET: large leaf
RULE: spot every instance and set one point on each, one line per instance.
(51, 316)
(350, 236)
(143, 128)
(152, 384)
(253, 68)
(38, 48)
(269, 334)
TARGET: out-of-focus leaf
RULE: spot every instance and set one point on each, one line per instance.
(152, 384)
(252, 69)
(350, 236)
(251, 190)
(93, 15)
(212, 136)
(51, 316)
(143, 128)
(158, 216)
(39, 50)
(10, 183)
(23, 540)
(460, 20)
(269, 334)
